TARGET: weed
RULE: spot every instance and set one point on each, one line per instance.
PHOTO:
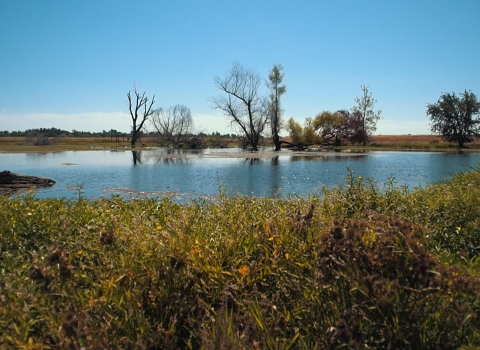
(359, 266)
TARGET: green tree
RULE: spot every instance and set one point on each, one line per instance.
(368, 116)
(309, 134)
(455, 118)
(295, 130)
(329, 126)
(305, 134)
(276, 91)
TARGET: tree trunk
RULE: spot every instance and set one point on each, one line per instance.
(136, 157)
(254, 141)
(133, 140)
(276, 142)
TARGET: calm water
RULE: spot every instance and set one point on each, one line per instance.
(103, 173)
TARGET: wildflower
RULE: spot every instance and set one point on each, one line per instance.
(159, 227)
(80, 252)
(244, 270)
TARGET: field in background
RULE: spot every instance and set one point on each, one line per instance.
(56, 144)
(389, 139)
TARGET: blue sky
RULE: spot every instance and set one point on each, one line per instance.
(69, 64)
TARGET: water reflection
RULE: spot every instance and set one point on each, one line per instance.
(276, 172)
(162, 158)
(332, 157)
(182, 174)
(136, 157)
(252, 161)
(172, 161)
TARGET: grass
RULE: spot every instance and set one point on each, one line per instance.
(58, 144)
(362, 266)
(378, 142)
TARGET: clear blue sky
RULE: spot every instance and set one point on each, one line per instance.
(69, 64)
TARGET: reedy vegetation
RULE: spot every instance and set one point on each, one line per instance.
(362, 266)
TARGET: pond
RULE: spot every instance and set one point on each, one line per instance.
(204, 173)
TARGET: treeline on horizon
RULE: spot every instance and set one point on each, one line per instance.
(54, 132)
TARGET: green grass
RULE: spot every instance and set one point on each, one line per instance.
(363, 266)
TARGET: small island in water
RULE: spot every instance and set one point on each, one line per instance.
(11, 183)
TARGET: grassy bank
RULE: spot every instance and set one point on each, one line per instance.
(378, 142)
(364, 266)
(58, 144)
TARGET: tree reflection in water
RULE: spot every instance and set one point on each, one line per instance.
(172, 161)
(275, 189)
(252, 161)
(155, 159)
(136, 157)
(332, 157)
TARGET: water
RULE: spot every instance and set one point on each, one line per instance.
(196, 174)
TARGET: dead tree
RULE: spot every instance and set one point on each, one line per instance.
(242, 103)
(140, 110)
(174, 125)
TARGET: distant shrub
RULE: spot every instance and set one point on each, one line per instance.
(36, 139)
(42, 141)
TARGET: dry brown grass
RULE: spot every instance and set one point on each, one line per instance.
(19, 144)
(418, 142)
(58, 144)
(392, 139)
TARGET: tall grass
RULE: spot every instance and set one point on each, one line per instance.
(362, 266)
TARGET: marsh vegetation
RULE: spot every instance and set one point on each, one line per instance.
(353, 267)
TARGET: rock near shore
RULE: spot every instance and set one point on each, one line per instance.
(11, 183)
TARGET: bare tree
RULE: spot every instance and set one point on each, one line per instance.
(174, 124)
(242, 103)
(276, 91)
(140, 110)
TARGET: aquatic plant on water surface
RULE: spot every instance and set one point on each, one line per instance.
(361, 266)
